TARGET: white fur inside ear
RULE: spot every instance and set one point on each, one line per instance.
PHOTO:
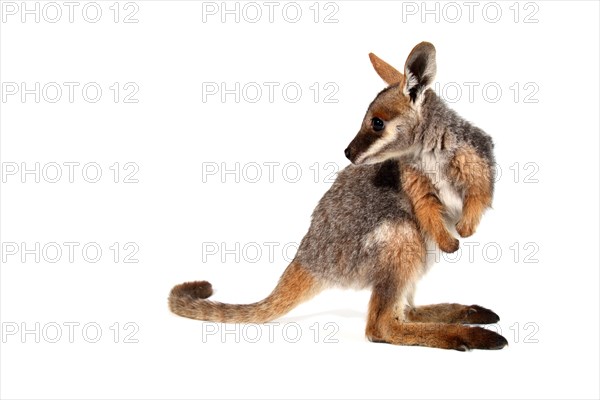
(427, 77)
(411, 81)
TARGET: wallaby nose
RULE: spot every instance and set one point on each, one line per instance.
(347, 153)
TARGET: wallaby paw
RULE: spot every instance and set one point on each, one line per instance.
(465, 229)
(479, 338)
(479, 315)
(448, 244)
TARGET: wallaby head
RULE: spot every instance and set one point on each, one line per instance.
(387, 130)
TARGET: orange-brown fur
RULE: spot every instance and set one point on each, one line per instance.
(474, 175)
(427, 207)
(452, 314)
(385, 71)
(295, 286)
(440, 335)
(433, 326)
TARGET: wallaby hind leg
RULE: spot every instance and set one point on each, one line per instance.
(451, 314)
(401, 263)
(383, 326)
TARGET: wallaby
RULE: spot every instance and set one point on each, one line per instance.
(418, 173)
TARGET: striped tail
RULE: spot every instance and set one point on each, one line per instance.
(295, 286)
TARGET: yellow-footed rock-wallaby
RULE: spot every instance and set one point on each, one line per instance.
(419, 173)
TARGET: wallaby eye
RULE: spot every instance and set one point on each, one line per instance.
(377, 124)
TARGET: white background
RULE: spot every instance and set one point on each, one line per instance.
(543, 282)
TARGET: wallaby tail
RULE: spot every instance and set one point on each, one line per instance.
(295, 286)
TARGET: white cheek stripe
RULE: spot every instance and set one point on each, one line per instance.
(388, 137)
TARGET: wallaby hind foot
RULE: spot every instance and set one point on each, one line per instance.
(452, 314)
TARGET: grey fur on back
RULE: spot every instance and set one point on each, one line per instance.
(443, 128)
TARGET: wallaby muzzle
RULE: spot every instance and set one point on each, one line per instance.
(359, 145)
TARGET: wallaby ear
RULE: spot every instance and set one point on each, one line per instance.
(389, 74)
(420, 69)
